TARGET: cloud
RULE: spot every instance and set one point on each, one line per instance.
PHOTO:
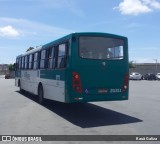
(27, 28)
(8, 31)
(152, 3)
(136, 7)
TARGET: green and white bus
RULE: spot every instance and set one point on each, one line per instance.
(80, 67)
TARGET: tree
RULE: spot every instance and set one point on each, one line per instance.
(131, 64)
(30, 48)
(10, 67)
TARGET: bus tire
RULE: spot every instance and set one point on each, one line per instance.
(40, 95)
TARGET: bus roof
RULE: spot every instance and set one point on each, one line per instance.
(79, 34)
(69, 36)
(31, 51)
(98, 34)
(57, 41)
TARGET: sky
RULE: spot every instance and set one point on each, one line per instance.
(31, 23)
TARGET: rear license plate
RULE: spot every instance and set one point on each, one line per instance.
(102, 91)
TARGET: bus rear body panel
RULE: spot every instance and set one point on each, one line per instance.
(99, 79)
(101, 83)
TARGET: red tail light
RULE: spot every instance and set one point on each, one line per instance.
(125, 83)
(77, 86)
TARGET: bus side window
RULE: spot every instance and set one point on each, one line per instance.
(22, 64)
(38, 59)
(35, 62)
(43, 59)
(50, 58)
(26, 62)
(19, 64)
(30, 61)
(54, 57)
(62, 55)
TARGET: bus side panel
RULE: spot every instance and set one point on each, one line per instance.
(53, 89)
(53, 82)
(68, 85)
(17, 77)
(29, 80)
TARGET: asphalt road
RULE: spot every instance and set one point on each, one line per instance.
(22, 115)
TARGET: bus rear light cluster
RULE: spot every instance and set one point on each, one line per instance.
(78, 98)
(125, 83)
(77, 86)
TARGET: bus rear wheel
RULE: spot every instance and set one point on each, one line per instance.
(40, 95)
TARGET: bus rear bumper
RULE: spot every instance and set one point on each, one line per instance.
(93, 98)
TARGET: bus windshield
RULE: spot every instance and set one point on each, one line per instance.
(101, 48)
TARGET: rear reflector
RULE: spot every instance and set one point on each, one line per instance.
(78, 98)
(77, 86)
(125, 83)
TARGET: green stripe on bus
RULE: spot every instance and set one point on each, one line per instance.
(52, 74)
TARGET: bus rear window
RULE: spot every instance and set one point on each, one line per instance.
(101, 48)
